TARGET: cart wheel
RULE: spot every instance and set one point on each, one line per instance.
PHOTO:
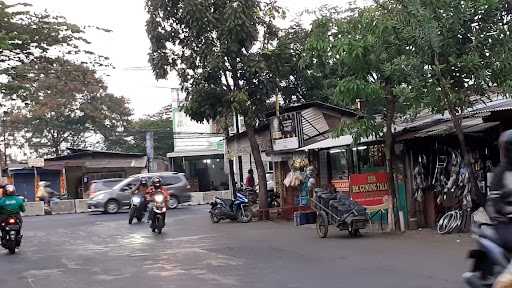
(354, 233)
(322, 225)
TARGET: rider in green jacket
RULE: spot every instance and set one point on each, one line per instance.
(11, 205)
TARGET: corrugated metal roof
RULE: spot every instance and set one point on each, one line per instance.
(330, 143)
(313, 123)
(494, 106)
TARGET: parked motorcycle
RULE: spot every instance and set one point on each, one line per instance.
(237, 210)
(490, 259)
(159, 209)
(273, 199)
(136, 208)
(11, 234)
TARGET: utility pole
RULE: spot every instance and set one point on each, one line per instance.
(149, 149)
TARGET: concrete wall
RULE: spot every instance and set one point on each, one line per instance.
(80, 206)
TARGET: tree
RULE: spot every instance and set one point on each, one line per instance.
(220, 50)
(373, 63)
(133, 138)
(465, 49)
(26, 35)
(298, 80)
(64, 103)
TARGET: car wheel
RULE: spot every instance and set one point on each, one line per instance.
(173, 202)
(112, 207)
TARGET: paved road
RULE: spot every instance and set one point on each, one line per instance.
(103, 251)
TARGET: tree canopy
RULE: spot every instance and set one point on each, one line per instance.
(64, 103)
(220, 51)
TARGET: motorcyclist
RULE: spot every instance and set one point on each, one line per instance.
(499, 202)
(11, 205)
(142, 189)
(156, 186)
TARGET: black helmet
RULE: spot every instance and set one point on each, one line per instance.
(10, 190)
(156, 182)
(505, 144)
(143, 181)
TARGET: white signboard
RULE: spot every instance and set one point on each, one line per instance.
(37, 162)
(286, 144)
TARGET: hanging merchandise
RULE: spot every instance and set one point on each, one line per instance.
(420, 183)
(307, 186)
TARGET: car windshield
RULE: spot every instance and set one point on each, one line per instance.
(104, 185)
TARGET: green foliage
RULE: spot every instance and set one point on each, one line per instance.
(220, 50)
(465, 48)
(26, 36)
(64, 104)
(363, 54)
(134, 136)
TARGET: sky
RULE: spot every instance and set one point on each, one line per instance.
(127, 45)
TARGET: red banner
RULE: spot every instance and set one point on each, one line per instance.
(341, 185)
(369, 189)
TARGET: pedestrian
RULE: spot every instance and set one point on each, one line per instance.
(249, 180)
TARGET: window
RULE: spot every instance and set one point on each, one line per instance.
(170, 180)
(339, 164)
(270, 166)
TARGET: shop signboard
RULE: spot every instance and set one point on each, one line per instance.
(369, 189)
(284, 132)
(341, 185)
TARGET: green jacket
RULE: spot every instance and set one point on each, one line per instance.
(11, 205)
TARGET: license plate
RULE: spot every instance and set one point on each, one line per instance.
(12, 227)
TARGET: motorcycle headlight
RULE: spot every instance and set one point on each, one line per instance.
(159, 198)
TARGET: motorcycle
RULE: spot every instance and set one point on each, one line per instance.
(136, 208)
(11, 234)
(159, 209)
(237, 210)
(490, 259)
(273, 199)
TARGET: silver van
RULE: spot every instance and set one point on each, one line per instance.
(113, 200)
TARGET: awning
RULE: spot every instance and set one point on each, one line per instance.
(329, 143)
(194, 153)
(470, 125)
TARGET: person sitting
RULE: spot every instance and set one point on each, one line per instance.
(156, 186)
(11, 205)
(249, 180)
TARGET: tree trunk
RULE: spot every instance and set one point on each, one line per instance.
(230, 163)
(477, 197)
(389, 145)
(260, 169)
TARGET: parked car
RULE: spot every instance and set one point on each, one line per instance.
(117, 198)
(101, 185)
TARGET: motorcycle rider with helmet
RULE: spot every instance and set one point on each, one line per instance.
(142, 190)
(156, 186)
(499, 203)
(11, 205)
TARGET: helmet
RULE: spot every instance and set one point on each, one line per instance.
(143, 181)
(505, 143)
(10, 190)
(156, 182)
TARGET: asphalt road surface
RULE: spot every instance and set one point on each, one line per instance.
(103, 251)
